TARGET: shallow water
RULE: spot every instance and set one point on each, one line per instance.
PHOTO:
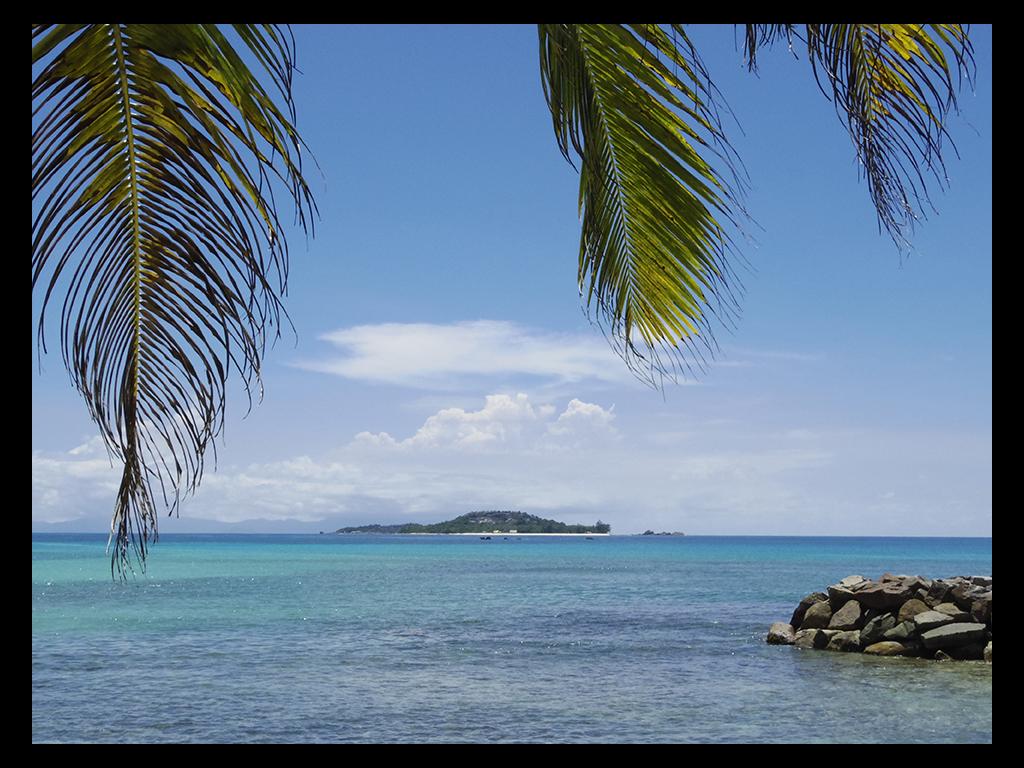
(454, 639)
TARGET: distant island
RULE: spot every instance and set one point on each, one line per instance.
(491, 521)
(649, 532)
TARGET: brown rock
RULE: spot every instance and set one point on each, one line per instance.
(844, 641)
(937, 592)
(817, 616)
(981, 608)
(810, 638)
(885, 648)
(807, 602)
(888, 596)
(781, 633)
(910, 609)
(846, 618)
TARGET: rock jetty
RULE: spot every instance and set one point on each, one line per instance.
(895, 616)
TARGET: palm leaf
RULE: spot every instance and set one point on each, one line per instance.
(155, 150)
(893, 86)
(636, 107)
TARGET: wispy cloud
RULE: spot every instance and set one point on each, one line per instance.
(453, 356)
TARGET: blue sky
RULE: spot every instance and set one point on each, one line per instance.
(443, 362)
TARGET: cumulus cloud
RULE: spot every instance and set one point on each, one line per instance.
(574, 461)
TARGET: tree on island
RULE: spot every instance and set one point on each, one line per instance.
(155, 150)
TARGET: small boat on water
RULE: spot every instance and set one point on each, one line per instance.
(485, 538)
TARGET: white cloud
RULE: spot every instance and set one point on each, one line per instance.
(574, 461)
(447, 356)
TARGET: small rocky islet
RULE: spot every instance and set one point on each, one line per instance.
(895, 616)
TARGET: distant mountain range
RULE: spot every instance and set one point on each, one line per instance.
(491, 521)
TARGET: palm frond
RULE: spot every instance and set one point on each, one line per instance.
(634, 104)
(893, 86)
(155, 150)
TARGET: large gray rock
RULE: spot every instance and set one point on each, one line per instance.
(817, 616)
(930, 620)
(982, 581)
(953, 635)
(888, 596)
(844, 641)
(910, 609)
(810, 638)
(781, 633)
(874, 629)
(807, 602)
(885, 648)
(953, 611)
(901, 632)
(846, 618)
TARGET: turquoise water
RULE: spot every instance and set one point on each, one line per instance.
(453, 639)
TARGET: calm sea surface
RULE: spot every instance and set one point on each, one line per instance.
(453, 639)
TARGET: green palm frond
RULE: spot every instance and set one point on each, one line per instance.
(893, 86)
(154, 152)
(635, 105)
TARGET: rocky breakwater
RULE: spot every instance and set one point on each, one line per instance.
(895, 616)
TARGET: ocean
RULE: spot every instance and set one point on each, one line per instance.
(415, 639)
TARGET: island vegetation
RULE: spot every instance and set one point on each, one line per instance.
(490, 521)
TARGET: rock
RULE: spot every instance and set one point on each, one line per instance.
(969, 652)
(810, 638)
(844, 641)
(901, 632)
(874, 629)
(937, 592)
(981, 608)
(885, 648)
(951, 610)
(913, 647)
(953, 635)
(807, 602)
(817, 616)
(928, 620)
(965, 593)
(898, 615)
(846, 618)
(840, 594)
(888, 596)
(914, 583)
(781, 634)
(852, 582)
(910, 609)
